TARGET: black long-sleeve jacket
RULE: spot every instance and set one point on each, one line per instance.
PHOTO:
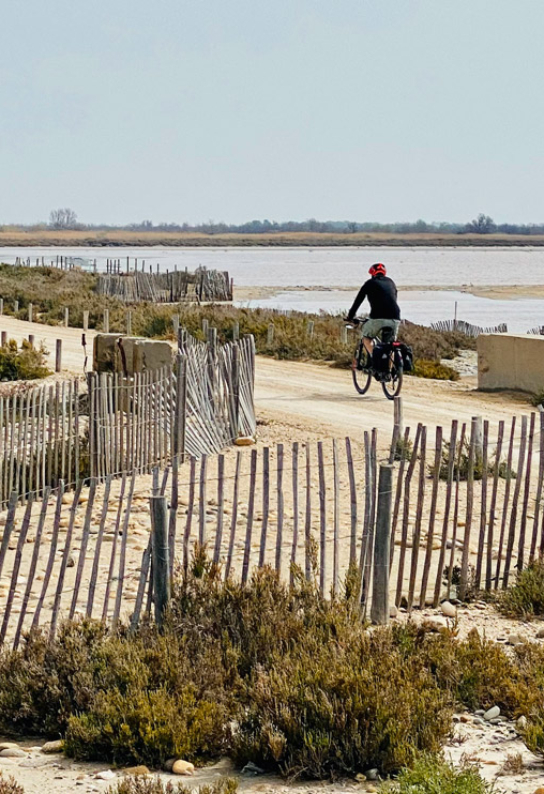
(382, 296)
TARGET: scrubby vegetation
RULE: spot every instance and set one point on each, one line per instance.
(24, 363)
(154, 785)
(423, 368)
(51, 290)
(8, 785)
(525, 599)
(266, 673)
(537, 399)
(431, 776)
(461, 464)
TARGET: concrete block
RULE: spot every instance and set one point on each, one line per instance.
(152, 354)
(510, 361)
(140, 354)
(105, 353)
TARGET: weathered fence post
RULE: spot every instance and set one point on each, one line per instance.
(29, 312)
(106, 322)
(1, 306)
(344, 334)
(181, 410)
(86, 319)
(15, 307)
(160, 554)
(31, 340)
(129, 323)
(236, 332)
(175, 324)
(270, 335)
(478, 439)
(58, 356)
(205, 326)
(66, 317)
(236, 388)
(379, 612)
(4, 338)
(310, 328)
(397, 429)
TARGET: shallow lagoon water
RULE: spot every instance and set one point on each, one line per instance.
(332, 267)
(419, 306)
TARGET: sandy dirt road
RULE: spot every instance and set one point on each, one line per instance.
(315, 395)
(73, 353)
(320, 396)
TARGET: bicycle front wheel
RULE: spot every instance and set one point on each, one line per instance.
(360, 369)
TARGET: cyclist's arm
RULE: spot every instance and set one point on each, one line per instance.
(357, 302)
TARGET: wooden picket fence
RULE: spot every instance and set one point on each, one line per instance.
(466, 511)
(177, 286)
(42, 438)
(119, 425)
(462, 327)
(198, 407)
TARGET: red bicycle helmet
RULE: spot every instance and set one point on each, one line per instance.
(378, 270)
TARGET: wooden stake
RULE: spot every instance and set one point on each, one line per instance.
(161, 564)
(380, 586)
(279, 504)
(250, 512)
(322, 520)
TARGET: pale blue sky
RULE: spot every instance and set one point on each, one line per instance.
(189, 110)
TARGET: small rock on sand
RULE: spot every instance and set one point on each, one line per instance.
(137, 771)
(53, 747)
(183, 768)
(107, 774)
(521, 723)
(448, 609)
(492, 713)
(12, 752)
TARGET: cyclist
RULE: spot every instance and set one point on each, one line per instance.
(381, 292)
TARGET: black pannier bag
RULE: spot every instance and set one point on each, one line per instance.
(380, 357)
(407, 357)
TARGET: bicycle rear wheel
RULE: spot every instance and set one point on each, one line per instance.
(392, 386)
(360, 369)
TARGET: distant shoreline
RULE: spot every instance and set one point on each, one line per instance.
(113, 239)
(499, 292)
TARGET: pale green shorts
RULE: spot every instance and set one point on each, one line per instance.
(371, 328)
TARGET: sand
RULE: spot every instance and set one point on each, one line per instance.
(503, 292)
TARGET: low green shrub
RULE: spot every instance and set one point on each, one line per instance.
(146, 725)
(26, 363)
(431, 775)
(426, 368)
(341, 707)
(142, 699)
(525, 598)
(268, 673)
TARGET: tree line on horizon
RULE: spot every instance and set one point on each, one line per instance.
(66, 219)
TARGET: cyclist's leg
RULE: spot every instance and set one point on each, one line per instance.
(371, 329)
(380, 325)
(367, 340)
